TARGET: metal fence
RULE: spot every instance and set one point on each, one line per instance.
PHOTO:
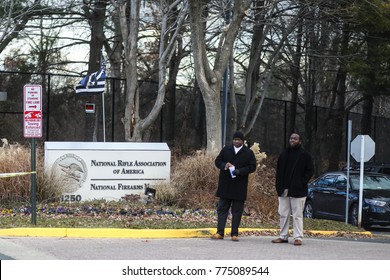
(65, 119)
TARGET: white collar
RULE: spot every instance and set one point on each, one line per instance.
(237, 149)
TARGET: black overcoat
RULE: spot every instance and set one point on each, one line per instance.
(245, 161)
(302, 172)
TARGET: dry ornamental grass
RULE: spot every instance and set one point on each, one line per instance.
(16, 158)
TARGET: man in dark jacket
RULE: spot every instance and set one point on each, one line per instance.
(293, 172)
(235, 162)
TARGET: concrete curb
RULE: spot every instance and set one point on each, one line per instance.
(139, 233)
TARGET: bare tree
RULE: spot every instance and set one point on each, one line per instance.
(209, 77)
(95, 13)
(129, 13)
(270, 33)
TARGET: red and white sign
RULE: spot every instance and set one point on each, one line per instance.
(32, 104)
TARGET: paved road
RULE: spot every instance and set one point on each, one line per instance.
(248, 248)
(111, 258)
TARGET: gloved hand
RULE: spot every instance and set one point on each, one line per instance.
(236, 172)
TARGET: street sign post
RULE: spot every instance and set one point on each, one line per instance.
(348, 166)
(32, 104)
(362, 150)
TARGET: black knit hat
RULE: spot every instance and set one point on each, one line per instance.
(239, 135)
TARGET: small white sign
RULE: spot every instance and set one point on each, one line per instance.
(3, 96)
(368, 151)
(32, 98)
(32, 128)
(32, 104)
(103, 170)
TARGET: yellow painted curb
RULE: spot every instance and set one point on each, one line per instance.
(322, 232)
(43, 232)
(107, 232)
(257, 230)
(138, 233)
(319, 232)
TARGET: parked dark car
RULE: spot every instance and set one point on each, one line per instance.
(371, 167)
(327, 198)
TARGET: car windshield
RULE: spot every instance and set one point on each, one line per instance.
(371, 182)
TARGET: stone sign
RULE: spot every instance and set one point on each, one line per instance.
(102, 170)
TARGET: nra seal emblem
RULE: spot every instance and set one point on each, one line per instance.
(71, 172)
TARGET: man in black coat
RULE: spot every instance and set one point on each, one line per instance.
(235, 162)
(293, 172)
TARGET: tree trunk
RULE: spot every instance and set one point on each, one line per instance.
(296, 77)
(169, 108)
(340, 92)
(134, 125)
(114, 54)
(209, 79)
(96, 15)
(129, 21)
(337, 128)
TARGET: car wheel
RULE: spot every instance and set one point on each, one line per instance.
(354, 215)
(308, 210)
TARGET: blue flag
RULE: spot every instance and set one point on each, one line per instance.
(93, 83)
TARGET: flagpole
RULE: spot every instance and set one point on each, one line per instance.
(104, 117)
(102, 62)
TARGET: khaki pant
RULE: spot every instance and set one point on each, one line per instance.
(287, 206)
